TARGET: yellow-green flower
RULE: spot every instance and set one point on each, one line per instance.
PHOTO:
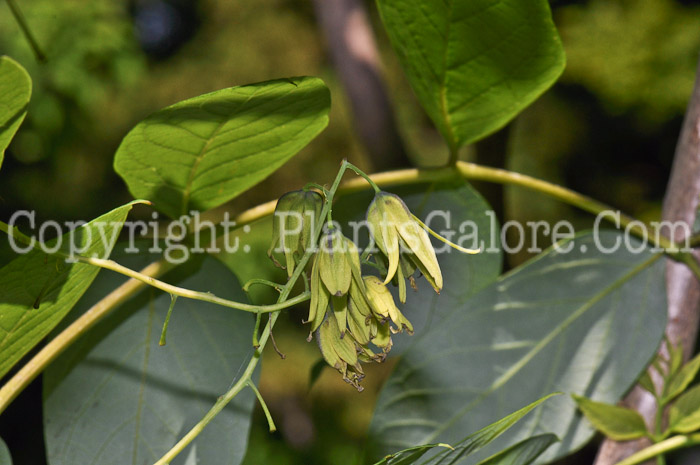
(404, 242)
(340, 352)
(335, 273)
(383, 306)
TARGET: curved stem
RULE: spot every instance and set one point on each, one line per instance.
(359, 172)
(485, 173)
(665, 446)
(221, 401)
(270, 421)
(266, 282)
(444, 240)
(195, 295)
(636, 227)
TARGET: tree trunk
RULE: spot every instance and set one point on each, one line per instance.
(683, 289)
(353, 50)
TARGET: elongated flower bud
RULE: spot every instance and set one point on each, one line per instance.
(319, 299)
(339, 261)
(296, 214)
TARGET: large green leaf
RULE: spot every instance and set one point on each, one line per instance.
(118, 397)
(474, 64)
(447, 206)
(5, 457)
(585, 322)
(37, 290)
(15, 91)
(202, 152)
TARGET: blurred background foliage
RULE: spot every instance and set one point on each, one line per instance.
(607, 129)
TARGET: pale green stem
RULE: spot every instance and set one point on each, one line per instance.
(270, 421)
(663, 447)
(444, 240)
(256, 330)
(195, 295)
(359, 172)
(248, 373)
(313, 185)
(222, 401)
(484, 173)
(272, 284)
(173, 298)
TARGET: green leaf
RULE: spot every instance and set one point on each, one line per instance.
(618, 423)
(204, 151)
(5, 457)
(485, 436)
(561, 322)
(676, 358)
(524, 452)
(646, 382)
(37, 290)
(680, 381)
(476, 64)
(409, 456)
(466, 446)
(118, 397)
(684, 415)
(15, 91)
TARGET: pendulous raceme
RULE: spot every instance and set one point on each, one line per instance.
(353, 315)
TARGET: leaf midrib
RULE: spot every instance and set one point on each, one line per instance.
(190, 179)
(444, 108)
(515, 368)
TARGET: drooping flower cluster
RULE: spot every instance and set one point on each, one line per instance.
(354, 315)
